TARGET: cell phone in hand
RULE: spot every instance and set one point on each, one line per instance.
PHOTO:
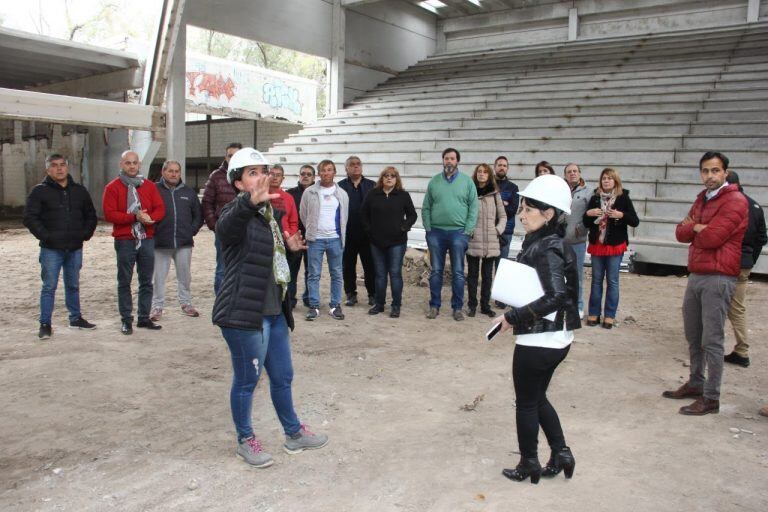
(496, 329)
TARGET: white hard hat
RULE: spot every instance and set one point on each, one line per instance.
(550, 189)
(243, 158)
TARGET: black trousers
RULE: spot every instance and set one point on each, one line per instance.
(294, 263)
(474, 263)
(532, 369)
(354, 247)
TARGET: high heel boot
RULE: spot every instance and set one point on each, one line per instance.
(561, 460)
(525, 468)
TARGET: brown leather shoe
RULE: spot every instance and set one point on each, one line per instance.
(684, 391)
(701, 407)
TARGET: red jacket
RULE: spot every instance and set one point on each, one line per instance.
(717, 248)
(287, 205)
(216, 194)
(115, 205)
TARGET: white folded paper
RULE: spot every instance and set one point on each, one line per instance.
(517, 284)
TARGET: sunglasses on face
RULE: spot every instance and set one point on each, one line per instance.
(385, 176)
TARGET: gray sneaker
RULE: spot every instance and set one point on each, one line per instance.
(312, 314)
(304, 440)
(336, 313)
(250, 449)
(433, 312)
(458, 315)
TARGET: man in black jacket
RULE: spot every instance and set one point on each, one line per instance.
(174, 239)
(306, 179)
(356, 241)
(754, 240)
(60, 213)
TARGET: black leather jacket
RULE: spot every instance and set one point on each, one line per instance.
(555, 263)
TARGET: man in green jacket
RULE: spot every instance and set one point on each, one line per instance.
(449, 215)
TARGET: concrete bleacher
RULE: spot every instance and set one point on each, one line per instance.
(648, 106)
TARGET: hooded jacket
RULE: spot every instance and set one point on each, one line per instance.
(717, 248)
(755, 237)
(183, 217)
(60, 217)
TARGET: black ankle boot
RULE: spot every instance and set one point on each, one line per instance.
(560, 461)
(526, 467)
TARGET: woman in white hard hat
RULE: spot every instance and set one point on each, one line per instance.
(542, 344)
(253, 309)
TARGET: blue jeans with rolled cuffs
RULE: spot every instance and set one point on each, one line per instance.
(52, 261)
(254, 351)
(455, 243)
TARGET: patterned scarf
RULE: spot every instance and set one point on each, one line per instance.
(134, 205)
(606, 203)
(279, 260)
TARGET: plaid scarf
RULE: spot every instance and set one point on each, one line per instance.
(134, 205)
(280, 267)
(606, 203)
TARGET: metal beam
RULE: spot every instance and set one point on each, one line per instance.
(355, 3)
(54, 108)
(122, 80)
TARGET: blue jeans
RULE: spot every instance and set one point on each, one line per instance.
(143, 259)
(581, 253)
(51, 263)
(505, 240)
(315, 251)
(605, 268)
(455, 243)
(389, 261)
(252, 350)
(218, 277)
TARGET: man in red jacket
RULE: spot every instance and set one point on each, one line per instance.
(216, 194)
(714, 227)
(285, 203)
(133, 205)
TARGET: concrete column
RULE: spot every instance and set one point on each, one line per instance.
(573, 24)
(440, 44)
(753, 11)
(176, 136)
(336, 76)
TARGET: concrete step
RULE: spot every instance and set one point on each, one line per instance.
(740, 128)
(710, 114)
(747, 174)
(726, 142)
(670, 252)
(738, 158)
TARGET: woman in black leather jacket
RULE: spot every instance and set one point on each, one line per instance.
(542, 344)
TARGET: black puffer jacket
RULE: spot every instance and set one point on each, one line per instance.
(183, 217)
(60, 217)
(617, 228)
(248, 246)
(555, 263)
(755, 237)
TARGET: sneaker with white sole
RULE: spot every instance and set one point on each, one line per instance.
(251, 451)
(304, 439)
(336, 313)
(312, 314)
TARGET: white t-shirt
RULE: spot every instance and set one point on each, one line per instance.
(556, 339)
(326, 224)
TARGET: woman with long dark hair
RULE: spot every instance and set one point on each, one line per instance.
(542, 344)
(609, 212)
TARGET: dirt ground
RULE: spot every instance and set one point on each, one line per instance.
(99, 421)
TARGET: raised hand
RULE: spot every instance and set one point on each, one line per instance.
(259, 190)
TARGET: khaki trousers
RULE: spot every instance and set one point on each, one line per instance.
(737, 313)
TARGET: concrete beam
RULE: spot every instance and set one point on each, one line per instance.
(167, 36)
(336, 75)
(54, 108)
(753, 11)
(175, 130)
(355, 3)
(573, 24)
(122, 80)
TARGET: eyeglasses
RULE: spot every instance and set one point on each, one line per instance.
(306, 174)
(385, 176)
(276, 174)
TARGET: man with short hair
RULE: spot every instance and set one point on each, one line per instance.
(754, 240)
(216, 194)
(174, 239)
(59, 212)
(714, 228)
(509, 196)
(133, 205)
(306, 179)
(356, 242)
(575, 231)
(323, 211)
(284, 204)
(449, 216)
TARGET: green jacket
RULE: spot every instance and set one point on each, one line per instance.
(450, 205)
